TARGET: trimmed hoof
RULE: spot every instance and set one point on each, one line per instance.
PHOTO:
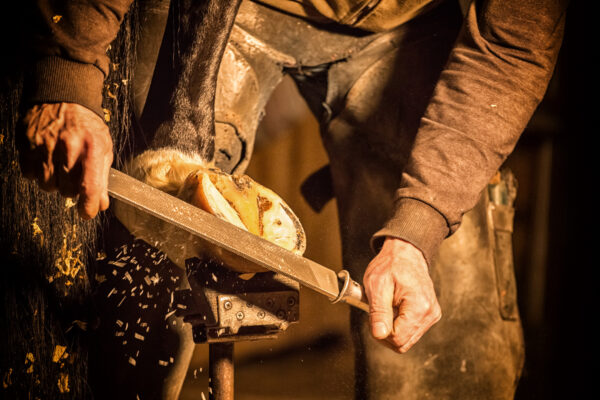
(236, 199)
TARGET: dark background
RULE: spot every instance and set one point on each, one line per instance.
(559, 334)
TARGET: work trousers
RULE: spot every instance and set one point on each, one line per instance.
(368, 92)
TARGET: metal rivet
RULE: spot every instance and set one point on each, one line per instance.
(291, 301)
(239, 315)
(270, 302)
(227, 305)
(260, 314)
(281, 314)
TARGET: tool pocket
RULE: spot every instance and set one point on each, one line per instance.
(502, 191)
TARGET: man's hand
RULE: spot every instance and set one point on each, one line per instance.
(402, 301)
(67, 147)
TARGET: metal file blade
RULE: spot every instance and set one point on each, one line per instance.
(241, 244)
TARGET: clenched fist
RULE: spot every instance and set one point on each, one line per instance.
(402, 300)
(67, 147)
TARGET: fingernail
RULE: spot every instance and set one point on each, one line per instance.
(379, 329)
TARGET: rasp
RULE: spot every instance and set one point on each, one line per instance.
(235, 241)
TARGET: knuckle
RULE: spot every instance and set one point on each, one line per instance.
(368, 276)
(68, 140)
(109, 156)
(89, 190)
(108, 139)
(87, 209)
(377, 310)
(436, 314)
(367, 282)
(403, 349)
(420, 308)
(378, 281)
(396, 340)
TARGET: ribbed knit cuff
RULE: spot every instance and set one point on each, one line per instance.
(54, 79)
(417, 223)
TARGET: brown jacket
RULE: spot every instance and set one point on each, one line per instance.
(494, 79)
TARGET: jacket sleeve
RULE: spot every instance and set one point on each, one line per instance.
(68, 46)
(495, 77)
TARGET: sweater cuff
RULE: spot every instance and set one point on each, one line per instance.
(58, 80)
(417, 223)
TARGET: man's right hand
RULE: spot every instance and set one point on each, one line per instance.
(67, 147)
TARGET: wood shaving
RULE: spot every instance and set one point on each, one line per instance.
(59, 352)
(69, 202)
(81, 324)
(7, 378)
(56, 18)
(117, 264)
(37, 231)
(138, 337)
(68, 263)
(132, 361)
(63, 383)
(111, 94)
(29, 359)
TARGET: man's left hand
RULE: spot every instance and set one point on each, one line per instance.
(402, 300)
(67, 147)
